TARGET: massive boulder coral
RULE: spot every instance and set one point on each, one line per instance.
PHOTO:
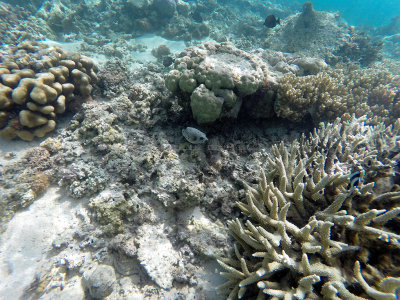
(213, 78)
(37, 84)
(330, 94)
(323, 221)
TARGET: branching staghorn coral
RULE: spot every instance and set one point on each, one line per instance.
(313, 227)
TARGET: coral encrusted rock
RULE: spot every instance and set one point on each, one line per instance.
(323, 222)
(37, 83)
(213, 78)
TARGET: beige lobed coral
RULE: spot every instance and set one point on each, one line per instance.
(323, 221)
(215, 76)
(330, 94)
(37, 84)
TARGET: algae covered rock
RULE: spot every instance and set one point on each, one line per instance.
(111, 207)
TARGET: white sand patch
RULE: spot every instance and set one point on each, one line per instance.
(67, 46)
(26, 244)
(150, 42)
(16, 147)
(153, 41)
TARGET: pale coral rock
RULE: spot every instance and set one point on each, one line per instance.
(205, 236)
(157, 255)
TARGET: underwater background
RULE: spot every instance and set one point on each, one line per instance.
(199, 149)
(371, 13)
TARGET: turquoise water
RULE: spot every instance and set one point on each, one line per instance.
(366, 12)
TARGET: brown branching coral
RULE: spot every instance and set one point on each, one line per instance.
(328, 95)
(39, 183)
(312, 228)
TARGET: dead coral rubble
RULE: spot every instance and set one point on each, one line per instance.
(323, 221)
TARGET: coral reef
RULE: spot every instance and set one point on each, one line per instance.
(331, 94)
(38, 83)
(17, 24)
(131, 177)
(213, 78)
(316, 224)
(138, 17)
(191, 21)
(296, 87)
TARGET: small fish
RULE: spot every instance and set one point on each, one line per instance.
(271, 21)
(167, 61)
(196, 16)
(354, 179)
(194, 136)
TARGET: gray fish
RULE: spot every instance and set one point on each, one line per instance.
(194, 136)
(271, 21)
